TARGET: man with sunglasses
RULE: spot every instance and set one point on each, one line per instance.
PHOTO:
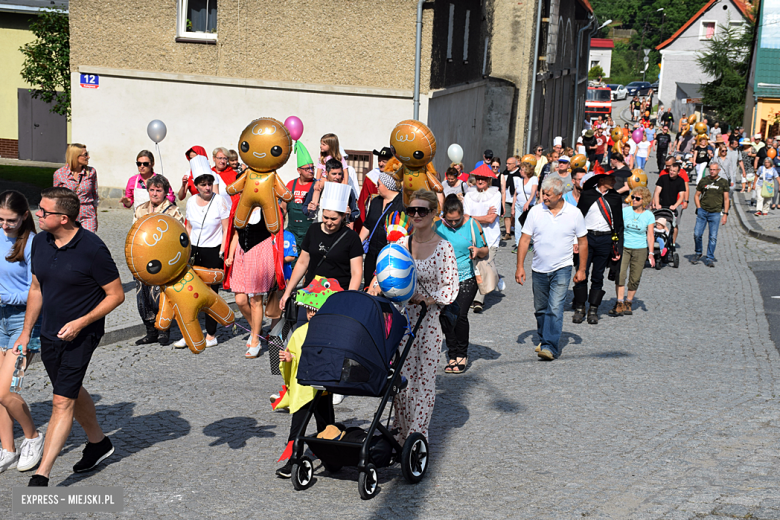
(75, 284)
(484, 205)
(298, 223)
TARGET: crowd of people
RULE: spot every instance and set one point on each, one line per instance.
(579, 217)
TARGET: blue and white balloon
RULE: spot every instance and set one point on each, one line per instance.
(396, 273)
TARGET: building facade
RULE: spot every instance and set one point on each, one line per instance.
(762, 114)
(601, 54)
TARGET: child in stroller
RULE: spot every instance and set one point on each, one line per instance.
(294, 396)
(661, 234)
(665, 253)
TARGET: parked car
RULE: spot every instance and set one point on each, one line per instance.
(654, 86)
(618, 91)
(638, 88)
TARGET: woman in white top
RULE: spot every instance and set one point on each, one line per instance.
(525, 196)
(643, 151)
(207, 223)
(765, 174)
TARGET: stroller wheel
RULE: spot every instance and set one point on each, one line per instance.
(302, 474)
(414, 458)
(367, 482)
(676, 261)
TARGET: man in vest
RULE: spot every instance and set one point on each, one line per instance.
(297, 223)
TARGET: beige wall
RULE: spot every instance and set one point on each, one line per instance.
(511, 58)
(338, 42)
(14, 32)
(211, 112)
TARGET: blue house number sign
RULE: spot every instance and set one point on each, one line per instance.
(90, 81)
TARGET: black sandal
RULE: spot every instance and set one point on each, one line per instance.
(461, 368)
(450, 367)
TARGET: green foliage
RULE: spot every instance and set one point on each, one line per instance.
(727, 61)
(47, 60)
(40, 177)
(596, 72)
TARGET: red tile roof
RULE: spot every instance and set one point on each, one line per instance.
(743, 8)
(586, 5)
(601, 43)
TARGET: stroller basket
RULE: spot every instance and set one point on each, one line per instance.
(351, 343)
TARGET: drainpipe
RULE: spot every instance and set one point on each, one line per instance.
(533, 77)
(577, 80)
(417, 53)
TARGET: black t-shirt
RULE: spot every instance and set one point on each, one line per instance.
(72, 279)
(375, 209)
(621, 177)
(701, 155)
(761, 154)
(670, 189)
(337, 263)
(663, 141)
(587, 142)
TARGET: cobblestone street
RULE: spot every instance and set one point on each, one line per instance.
(669, 413)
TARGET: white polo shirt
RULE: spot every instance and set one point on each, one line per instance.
(477, 204)
(553, 236)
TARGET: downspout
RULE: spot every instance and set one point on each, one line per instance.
(417, 57)
(533, 77)
(577, 79)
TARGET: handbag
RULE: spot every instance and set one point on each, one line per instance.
(448, 315)
(485, 270)
(767, 187)
(272, 309)
(367, 241)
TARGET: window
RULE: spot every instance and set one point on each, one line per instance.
(449, 32)
(739, 27)
(707, 30)
(362, 161)
(197, 20)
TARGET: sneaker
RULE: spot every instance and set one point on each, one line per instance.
(617, 310)
(38, 481)
(477, 308)
(338, 398)
(709, 263)
(538, 348)
(182, 343)
(501, 285)
(285, 471)
(94, 454)
(8, 460)
(546, 355)
(627, 308)
(274, 398)
(696, 258)
(514, 250)
(214, 342)
(30, 453)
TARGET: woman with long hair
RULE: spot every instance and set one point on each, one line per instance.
(80, 178)
(15, 279)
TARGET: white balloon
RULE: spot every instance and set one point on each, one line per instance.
(156, 131)
(455, 153)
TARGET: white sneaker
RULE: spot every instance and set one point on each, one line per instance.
(8, 460)
(213, 342)
(501, 285)
(338, 398)
(30, 453)
(180, 344)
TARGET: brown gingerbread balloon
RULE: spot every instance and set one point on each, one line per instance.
(530, 159)
(264, 146)
(157, 251)
(415, 146)
(578, 161)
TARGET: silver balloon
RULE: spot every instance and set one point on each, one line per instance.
(156, 131)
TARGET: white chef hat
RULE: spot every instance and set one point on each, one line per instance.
(200, 166)
(335, 197)
(558, 141)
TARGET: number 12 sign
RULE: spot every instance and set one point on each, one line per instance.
(90, 81)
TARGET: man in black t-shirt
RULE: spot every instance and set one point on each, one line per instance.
(662, 141)
(622, 173)
(75, 283)
(590, 144)
(667, 118)
(670, 193)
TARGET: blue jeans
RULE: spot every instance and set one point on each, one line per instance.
(549, 293)
(702, 219)
(11, 325)
(640, 162)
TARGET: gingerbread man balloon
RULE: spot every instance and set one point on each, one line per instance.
(157, 251)
(414, 145)
(264, 146)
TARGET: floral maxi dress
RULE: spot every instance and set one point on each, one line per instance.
(86, 189)
(437, 277)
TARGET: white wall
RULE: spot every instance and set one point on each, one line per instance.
(603, 57)
(112, 119)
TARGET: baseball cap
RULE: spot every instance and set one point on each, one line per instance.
(564, 158)
(488, 154)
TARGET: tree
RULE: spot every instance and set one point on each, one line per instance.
(596, 72)
(727, 61)
(47, 60)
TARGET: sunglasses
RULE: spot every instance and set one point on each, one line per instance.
(413, 211)
(145, 164)
(636, 198)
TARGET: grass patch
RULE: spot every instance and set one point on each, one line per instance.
(40, 177)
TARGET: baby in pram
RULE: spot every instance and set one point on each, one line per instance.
(661, 232)
(294, 396)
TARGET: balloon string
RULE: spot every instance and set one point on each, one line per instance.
(157, 148)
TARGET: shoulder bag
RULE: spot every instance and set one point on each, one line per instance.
(367, 241)
(767, 186)
(485, 269)
(448, 315)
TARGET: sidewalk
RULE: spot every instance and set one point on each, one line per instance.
(765, 228)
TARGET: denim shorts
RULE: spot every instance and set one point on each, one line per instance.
(11, 325)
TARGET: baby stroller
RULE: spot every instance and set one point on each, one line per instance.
(351, 348)
(671, 256)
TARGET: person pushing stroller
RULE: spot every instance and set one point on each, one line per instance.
(296, 397)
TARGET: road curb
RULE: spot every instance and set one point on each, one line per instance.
(748, 227)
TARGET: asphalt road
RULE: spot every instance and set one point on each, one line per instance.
(768, 276)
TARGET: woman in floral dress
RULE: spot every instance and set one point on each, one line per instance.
(437, 286)
(80, 178)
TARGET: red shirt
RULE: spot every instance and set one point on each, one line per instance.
(683, 175)
(300, 191)
(601, 144)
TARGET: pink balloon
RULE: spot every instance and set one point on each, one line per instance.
(295, 126)
(637, 134)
